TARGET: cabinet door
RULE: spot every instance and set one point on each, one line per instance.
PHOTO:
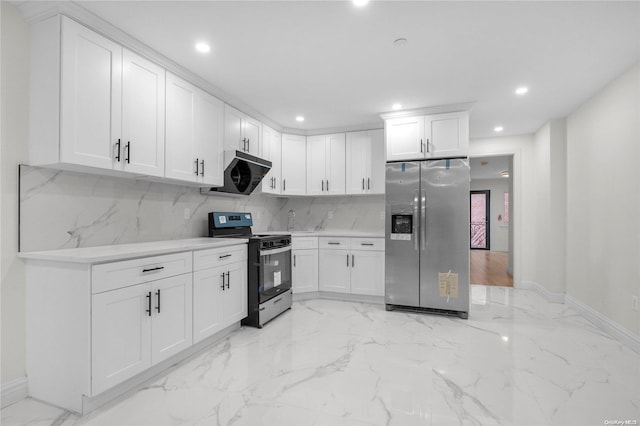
(304, 271)
(208, 135)
(358, 153)
(180, 113)
(91, 104)
(251, 131)
(121, 335)
(367, 272)
(207, 302)
(447, 135)
(334, 266)
(293, 165)
(376, 179)
(404, 138)
(335, 164)
(234, 295)
(233, 129)
(142, 143)
(272, 150)
(171, 326)
(316, 165)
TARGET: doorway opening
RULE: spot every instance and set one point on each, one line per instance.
(491, 237)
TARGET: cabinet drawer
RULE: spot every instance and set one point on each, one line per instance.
(374, 244)
(110, 276)
(336, 243)
(303, 243)
(204, 259)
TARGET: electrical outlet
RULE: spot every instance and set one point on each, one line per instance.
(187, 213)
(634, 302)
(330, 214)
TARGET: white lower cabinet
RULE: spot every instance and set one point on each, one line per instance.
(304, 271)
(351, 265)
(136, 327)
(219, 292)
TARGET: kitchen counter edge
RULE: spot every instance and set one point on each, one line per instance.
(102, 254)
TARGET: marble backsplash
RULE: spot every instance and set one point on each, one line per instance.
(64, 209)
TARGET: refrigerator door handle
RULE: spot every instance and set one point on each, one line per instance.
(423, 221)
(416, 217)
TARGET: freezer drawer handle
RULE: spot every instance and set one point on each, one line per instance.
(157, 268)
(277, 300)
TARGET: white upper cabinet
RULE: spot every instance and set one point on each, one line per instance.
(294, 170)
(326, 164)
(92, 103)
(430, 136)
(193, 134)
(365, 162)
(241, 132)
(272, 151)
(143, 92)
(447, 135)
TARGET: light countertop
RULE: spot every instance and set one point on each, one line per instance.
(350, 234)
(111, 253)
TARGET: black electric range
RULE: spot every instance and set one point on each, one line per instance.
(268, 266)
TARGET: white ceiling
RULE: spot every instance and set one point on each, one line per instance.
(491, 170)
(336, 64)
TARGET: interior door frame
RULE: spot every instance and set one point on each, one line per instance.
(487, 209)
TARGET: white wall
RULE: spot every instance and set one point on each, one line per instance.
(603, 201)
(15, 85)
(523, 198)
(550, 205)
(498, 232)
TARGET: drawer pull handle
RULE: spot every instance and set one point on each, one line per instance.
(366, 244)
(333, 244)
(277, 300)
(157, 268)
(224, 256)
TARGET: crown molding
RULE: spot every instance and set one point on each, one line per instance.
(439, 109)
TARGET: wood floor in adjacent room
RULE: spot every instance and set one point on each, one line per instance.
(490, 268)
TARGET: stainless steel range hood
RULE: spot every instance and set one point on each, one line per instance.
(242, 174)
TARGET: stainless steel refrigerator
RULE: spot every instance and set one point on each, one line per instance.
(427, 236)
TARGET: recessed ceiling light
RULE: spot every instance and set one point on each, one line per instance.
(498, 129)
(396, 106)
(299, 119)
(522, 90)
(202, 47)
(360, 3)
(504, 173)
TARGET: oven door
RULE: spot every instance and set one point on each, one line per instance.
(275, 272)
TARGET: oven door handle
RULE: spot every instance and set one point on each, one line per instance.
(274, 251)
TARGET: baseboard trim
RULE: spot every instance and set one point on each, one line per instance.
(614, 329)
(13, 391)
(549, 296)
(347, 297)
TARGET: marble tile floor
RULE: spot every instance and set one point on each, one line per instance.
(518, 360)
